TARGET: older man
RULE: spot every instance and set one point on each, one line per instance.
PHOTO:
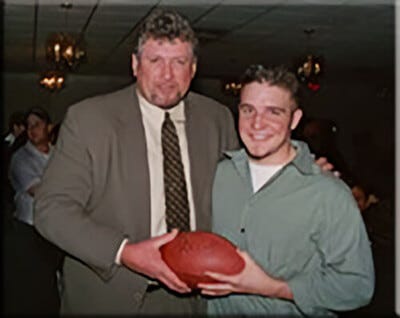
(109, 190)
(302, 237)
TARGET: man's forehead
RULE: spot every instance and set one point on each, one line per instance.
(34, 118)
(264, 94)
(164, 41)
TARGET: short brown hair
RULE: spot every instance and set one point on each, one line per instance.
(274, 76)
(39, 112)
(166, 24)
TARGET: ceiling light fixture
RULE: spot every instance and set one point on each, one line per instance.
(62, 49)
(310, 67)
(52, 80)
(232, 88)
(64, 52)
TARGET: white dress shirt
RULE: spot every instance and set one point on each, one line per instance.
(153, 117)
(26, 170)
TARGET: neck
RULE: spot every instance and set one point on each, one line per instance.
(45, 148)
(286, 155)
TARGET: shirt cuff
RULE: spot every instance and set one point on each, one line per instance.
(121, 247)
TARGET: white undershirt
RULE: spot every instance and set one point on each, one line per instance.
(260, 174)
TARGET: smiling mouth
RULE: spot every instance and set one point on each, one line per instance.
(260, 136)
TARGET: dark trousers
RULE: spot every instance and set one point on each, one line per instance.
(161, 302)
(29, 272)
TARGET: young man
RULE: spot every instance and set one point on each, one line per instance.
(299, 230)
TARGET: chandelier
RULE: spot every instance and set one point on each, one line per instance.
(232, 88)
(63, 50)
(308, 72)
(310, 68)
(53, 80)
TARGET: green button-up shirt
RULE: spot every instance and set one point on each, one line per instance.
(303, 226)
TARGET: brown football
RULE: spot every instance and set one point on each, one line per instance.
(190, 254)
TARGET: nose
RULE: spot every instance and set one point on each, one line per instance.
(258, 121)
(168, 71)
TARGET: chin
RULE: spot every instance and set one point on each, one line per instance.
(257, 154)
(167, 102)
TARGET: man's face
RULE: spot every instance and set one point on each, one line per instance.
(37, 130)
(164, 70)
(265, 122)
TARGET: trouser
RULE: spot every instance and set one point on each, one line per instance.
(30, 266)
(159, 301)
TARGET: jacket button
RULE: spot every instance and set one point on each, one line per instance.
(242, 230)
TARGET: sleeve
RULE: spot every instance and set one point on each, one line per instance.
(22, 175)
(344, 279)
(60, 213)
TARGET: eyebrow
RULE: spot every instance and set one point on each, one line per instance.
(265, 106)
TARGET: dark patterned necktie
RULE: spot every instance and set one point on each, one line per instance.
(176, 199)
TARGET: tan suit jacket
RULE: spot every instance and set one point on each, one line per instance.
(95, 192)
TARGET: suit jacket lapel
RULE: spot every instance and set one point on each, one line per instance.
(135, 168)
(197, 148)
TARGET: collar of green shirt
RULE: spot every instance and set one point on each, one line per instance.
(303, 161)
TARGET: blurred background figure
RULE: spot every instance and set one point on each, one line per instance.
(363, 196)
(31, 262)
(16, 128)
(377, 211)
(320, 135)
(11, 141)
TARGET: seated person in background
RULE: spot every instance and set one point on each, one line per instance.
(298, 228)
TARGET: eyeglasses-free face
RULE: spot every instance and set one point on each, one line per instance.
(266, 118)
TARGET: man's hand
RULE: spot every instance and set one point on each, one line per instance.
(325, 165)
(145, 258)
(251, 280)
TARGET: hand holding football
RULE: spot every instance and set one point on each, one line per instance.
(190, 254)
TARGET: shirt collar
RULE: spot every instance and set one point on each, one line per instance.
(303, 160)
(177, 112)
(33, 149)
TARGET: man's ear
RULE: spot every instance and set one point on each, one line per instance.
(135, 63)
(297, 114)
(194, 67)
